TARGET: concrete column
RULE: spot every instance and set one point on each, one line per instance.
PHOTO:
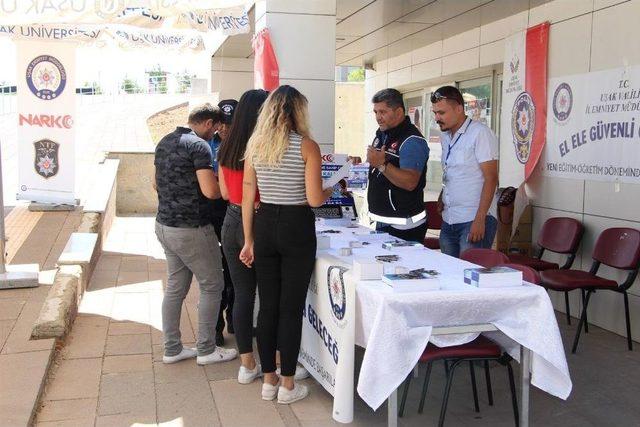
(303, 34)
(231, 77)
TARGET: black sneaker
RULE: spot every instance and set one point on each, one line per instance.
(219, 339)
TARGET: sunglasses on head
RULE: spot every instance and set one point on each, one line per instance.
(437, 97)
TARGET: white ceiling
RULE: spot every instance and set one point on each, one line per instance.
(365, 27)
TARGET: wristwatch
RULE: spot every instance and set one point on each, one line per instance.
(381, 168)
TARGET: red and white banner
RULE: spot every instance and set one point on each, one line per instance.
(524, 104)
(46, 131)
(266, 74)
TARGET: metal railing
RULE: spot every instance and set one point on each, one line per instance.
(91, 95)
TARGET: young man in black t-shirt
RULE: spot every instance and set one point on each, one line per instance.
(184, 180)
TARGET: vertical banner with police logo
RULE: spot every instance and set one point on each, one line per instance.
(46, 111)
(524, 104)
(594, 130)
(328, 333)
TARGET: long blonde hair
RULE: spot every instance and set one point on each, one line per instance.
(284, 111)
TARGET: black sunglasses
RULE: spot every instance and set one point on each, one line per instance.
(437, 97)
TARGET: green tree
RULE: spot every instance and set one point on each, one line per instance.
(157, 80)
(130, 86)
(356, 75)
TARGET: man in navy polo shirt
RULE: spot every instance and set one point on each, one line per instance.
(397, 175)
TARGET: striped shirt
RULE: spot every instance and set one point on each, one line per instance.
(284, 184)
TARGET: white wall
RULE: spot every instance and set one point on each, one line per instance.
(586, 35)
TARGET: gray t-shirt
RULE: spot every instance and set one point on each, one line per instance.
(180, 202)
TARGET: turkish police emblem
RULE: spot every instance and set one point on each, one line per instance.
(562, 102)
(337, 294)
(523, 123)
(46, 161)
(46, 77)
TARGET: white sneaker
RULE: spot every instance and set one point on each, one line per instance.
(246, 375)
(286, 396)
(301, 373)
(186, 353)
(220, 354)
(269, 392)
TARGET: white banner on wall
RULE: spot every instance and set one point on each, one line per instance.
(46, 112)
(593, 129)
(328, 334)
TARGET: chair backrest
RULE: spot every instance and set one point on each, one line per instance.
(484, 257)
(434, 220)
(528, 273)
(619, 248)
(561, 235)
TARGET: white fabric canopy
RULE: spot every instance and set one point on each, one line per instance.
(166, 24)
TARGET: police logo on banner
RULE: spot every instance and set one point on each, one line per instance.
(562, 102)
(523, 122)
(337, 294)
(46, 159)
(46, 77)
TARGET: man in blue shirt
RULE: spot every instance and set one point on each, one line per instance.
(470, 175)
(218, 211)
(397, 175)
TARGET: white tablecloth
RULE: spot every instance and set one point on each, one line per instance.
(395, 328)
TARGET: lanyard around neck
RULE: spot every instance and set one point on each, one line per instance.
(455, 141)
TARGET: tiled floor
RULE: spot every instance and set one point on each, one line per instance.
(110, 371)
(33, 238)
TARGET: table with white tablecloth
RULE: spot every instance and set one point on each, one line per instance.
(394, 328)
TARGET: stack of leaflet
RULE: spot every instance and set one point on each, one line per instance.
(495, 277)
(419, 280)
(400, 244)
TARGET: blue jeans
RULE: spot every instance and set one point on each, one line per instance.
(454, 238)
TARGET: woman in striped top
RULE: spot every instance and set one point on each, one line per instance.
(284, 164)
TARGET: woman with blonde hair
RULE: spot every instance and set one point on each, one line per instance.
(284, 164)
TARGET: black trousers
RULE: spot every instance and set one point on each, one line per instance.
(415, 234)
(227, 294)
(285, 254)
(243, 277)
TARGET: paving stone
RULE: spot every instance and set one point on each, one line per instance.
(87, 338)
(183, 392)
(120, 420)
(78, 422)
(130, 277)
(10, 309)
(235, 398)
(21, 379)
(128, 344)
(5, 329)
(130, 363)
(70, 409)
(128, 328)
(108, 262)
(98, 302)
(127, 393)
(19, 340)
(134, 263)
(131, 306)
(75, 379)
(223, 371)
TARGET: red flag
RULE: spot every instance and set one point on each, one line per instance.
(265, 66)
(524, 104)
(536, 84)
